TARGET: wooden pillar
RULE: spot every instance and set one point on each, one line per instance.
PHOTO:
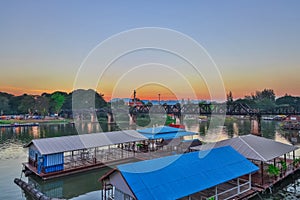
(102, 191)
(104, 188)
(262, 172)
(250, 180)
(95, 154)
(293, 160)
(284, 157)
(238, 183)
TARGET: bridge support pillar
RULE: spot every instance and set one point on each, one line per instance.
(110, 118)
(93, 117)
(256, 125)
(132, 119)
(177, 119)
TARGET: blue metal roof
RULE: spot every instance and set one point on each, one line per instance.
(160, 130)
(165, 132)
(178, 176)
(168, 136)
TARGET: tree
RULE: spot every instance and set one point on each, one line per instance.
(263, 100)
(58, 99)
(87, 99)
(229, 97)
(265, 94)
(26, 104)
(42, 105)
(4, 103)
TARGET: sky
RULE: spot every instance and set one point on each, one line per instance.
(45, 46)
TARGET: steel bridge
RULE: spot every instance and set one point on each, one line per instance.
(212, 108)
(179, 110)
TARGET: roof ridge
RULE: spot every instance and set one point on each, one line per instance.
(251, 148)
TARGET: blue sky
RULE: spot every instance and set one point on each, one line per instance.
(255, 44)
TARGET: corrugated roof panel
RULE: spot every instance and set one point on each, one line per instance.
(167, 136)
(178, 176)
(77, 142)
(255, 147)
(160, 130)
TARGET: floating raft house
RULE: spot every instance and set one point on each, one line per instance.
(216, 174)
(52, 157)
(263, 152)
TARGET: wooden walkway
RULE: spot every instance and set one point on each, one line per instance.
(85, 161)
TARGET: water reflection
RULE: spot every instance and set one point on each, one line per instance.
(70, 186)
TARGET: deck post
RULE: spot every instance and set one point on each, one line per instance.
(293, 160)
(95, 154)
(262, 172)
(250, 181)
(238, 183)
(284, 157)
(102, 191)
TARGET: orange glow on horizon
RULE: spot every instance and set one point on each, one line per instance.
(151, 93)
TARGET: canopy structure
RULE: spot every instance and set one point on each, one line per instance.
(164, 132)
(77, 142)
(178, 176)
(254, 147)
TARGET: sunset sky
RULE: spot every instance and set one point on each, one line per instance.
(254, 44)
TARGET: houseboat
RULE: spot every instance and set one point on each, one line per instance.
(220, 173)
(60, 156)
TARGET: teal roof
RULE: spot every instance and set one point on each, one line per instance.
(165, 132)
(160, 130)
(178, 176)
(168, 136)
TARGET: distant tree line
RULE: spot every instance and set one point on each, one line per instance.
(47, 103)
(266, 100)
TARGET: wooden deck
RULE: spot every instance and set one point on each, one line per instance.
(79, 163)
(85, 161)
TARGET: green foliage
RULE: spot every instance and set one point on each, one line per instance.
(283, 165)
(296, 161)
(265, 100)
(4, 105)
(211, 198)
(58, 100)
(87, 99)
(26, 104)
(273, 170)
(169, 120)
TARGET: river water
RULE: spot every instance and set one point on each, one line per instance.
(86, 185)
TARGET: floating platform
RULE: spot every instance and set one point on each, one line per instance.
(18, 125)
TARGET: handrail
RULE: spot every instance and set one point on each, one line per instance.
(236, 187)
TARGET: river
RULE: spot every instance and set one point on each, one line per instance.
(86, 185)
